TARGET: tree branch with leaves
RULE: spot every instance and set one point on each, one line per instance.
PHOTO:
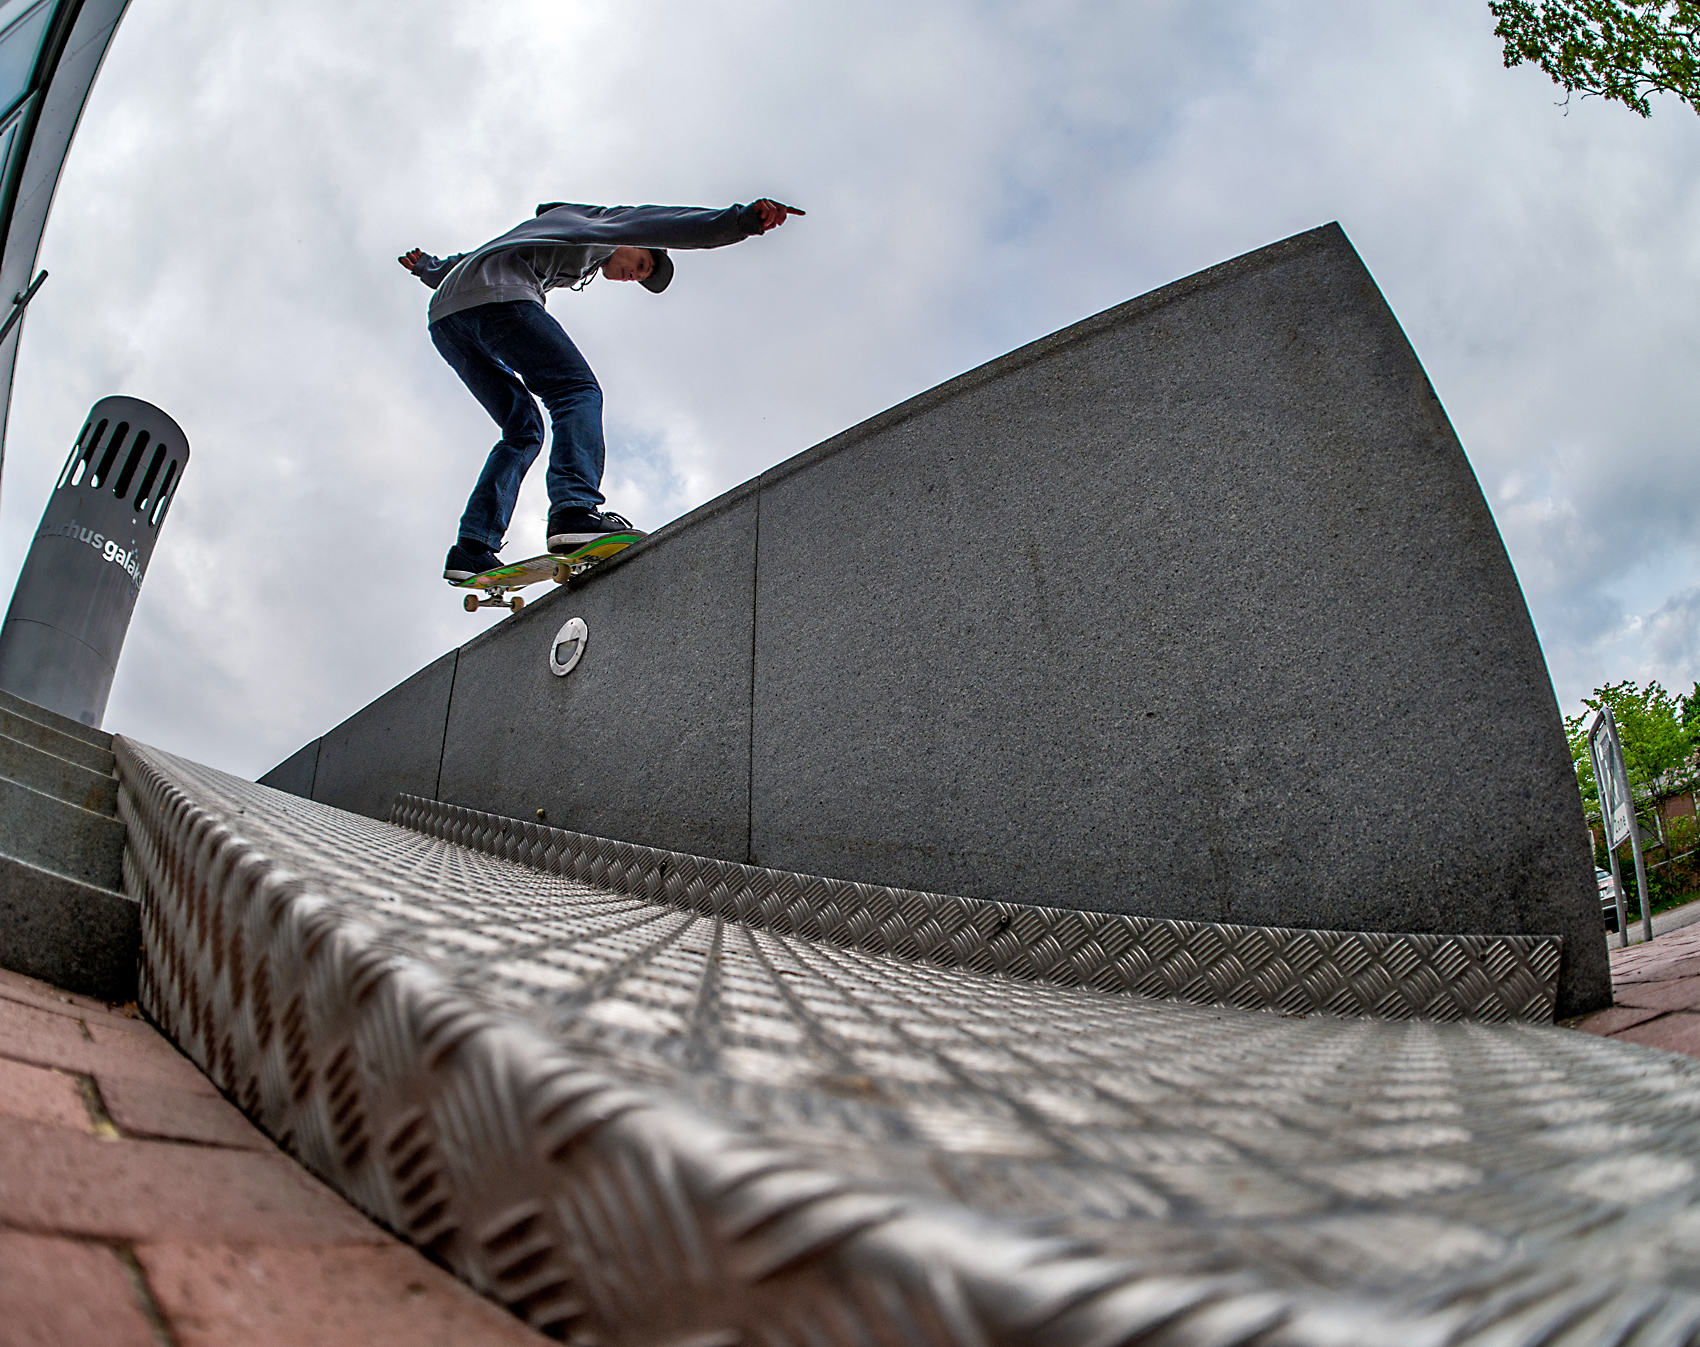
(1606, 49)
(1658, 731)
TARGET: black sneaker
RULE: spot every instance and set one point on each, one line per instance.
(467, 559)
(574, 527)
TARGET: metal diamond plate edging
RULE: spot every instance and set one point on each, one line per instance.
(636, 1124)
(1491, 978)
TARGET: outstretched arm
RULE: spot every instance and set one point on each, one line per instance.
(427, 268)
(652, 226)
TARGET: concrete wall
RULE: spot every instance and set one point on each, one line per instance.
(1194, 609)
(296, 772)
(393, 745)
(650, 735)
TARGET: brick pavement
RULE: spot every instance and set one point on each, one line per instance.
(1656, 988)
(138, 1208)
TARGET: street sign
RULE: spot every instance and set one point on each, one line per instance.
(1617, 808)
(1617, 815)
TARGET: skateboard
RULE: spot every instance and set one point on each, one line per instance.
(496, 583)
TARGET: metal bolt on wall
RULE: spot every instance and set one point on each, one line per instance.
(71, 610)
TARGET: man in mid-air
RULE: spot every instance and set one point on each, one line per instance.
(487, 320)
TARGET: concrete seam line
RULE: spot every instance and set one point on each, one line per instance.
(448, 711)
(750, 775)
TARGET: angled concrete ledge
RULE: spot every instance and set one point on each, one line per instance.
(1486, 979)
(636, 1124)
(1193, 611)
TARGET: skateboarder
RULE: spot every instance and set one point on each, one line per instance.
(487, 320)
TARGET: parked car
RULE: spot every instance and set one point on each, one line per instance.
(1608, 897)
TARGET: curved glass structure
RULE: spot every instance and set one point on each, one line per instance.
(50, 53)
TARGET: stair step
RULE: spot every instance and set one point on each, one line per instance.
(22, 706)
(53, 775)
(37, 734)
(45, 831)
(74, 935)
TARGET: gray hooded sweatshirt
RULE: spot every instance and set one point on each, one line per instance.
(565, 242)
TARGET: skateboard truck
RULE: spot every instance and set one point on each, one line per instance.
(493, 599)
(495, 596)
(499, 583)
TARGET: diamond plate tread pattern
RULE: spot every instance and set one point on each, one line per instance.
(640, 1124)
(1488, 978)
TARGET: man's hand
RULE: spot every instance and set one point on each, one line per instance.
(412, 259)
(772, 213)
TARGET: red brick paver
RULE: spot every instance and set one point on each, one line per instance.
(143, 1108)
(57, 1291)
(215, 1295)
(1673, 1033)
(56, 1179)
(137, 1206)
(37, 1094)
(1656, 987)
(64, 1043)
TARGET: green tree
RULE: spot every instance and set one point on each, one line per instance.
(1658, 732)
(1612, 49)
(1691, 714)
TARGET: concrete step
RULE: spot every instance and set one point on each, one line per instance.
(45, 831)
(53, 775)
(38, 734)
(22, 706)
(74, 935)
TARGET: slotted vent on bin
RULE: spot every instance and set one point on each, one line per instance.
(162, 502)
(103, 472)
(81, 452)
(149, 478)
(132, 461)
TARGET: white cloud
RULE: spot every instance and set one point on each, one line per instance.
(977, 174)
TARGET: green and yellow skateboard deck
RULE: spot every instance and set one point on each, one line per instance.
(497, 583)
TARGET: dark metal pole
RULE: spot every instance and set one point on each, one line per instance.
(1622, 907)
(1641, 875)
(19, 304)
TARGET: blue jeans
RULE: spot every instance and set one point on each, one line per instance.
(507, 354)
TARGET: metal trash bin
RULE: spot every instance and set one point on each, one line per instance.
(71, 609)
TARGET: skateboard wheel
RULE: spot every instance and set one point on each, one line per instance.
(470, 603)
(516, 603)
(563, 572)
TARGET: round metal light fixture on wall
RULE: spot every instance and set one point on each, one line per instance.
(568, 645)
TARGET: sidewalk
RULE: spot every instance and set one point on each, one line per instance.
(138, 1208)
(1656, 988)
(1663, 923)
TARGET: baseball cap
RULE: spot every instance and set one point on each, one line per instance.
(661, 275)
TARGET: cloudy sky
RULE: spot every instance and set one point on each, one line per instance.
(977, 173)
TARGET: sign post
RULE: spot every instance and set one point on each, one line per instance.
(1617, 815)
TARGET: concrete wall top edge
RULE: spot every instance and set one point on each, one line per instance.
(1324, 237)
